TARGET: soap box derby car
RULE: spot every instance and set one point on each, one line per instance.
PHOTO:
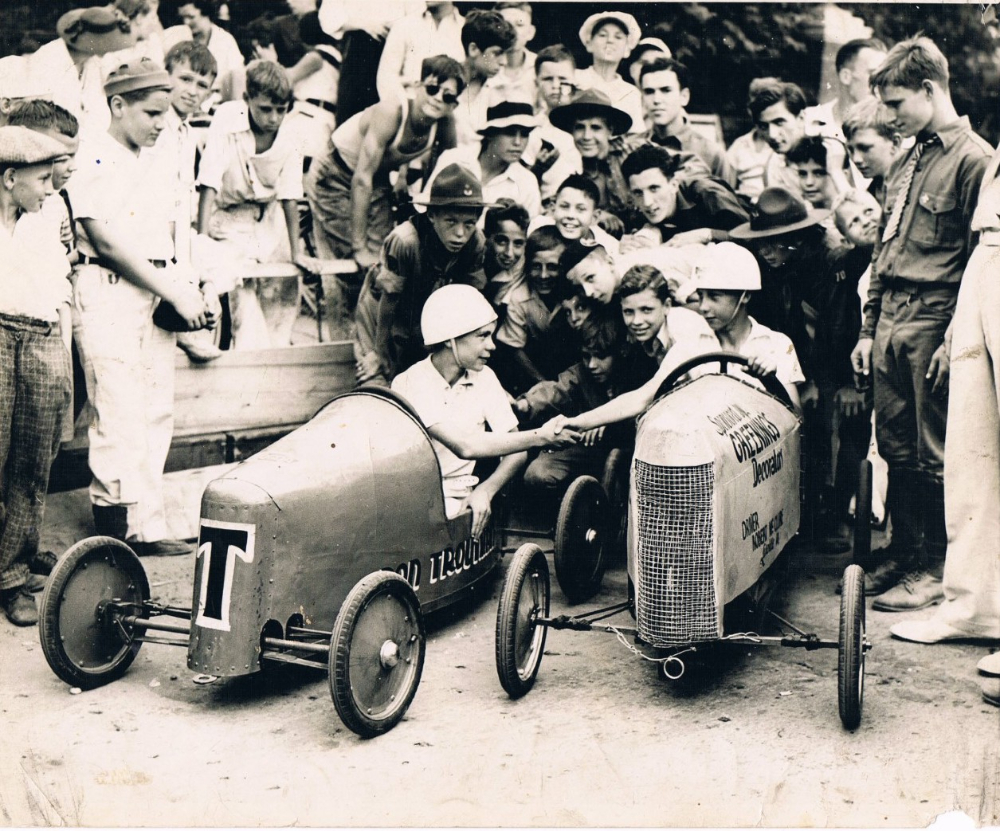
(324, 550)
(713, 501)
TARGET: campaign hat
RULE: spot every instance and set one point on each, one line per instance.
(457, 186)
(776, 212)
(590, 103)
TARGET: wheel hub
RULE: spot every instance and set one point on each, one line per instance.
(590, 536)
(388, 655)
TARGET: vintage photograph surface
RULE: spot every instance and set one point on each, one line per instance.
(499, 414)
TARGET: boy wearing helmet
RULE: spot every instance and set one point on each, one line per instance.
(457, 397)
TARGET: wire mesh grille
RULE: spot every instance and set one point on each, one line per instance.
(675, 586)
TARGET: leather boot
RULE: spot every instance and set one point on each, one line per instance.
(111, 521)
(903, 503)
(935, 530)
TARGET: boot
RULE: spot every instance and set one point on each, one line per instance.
(111, 521)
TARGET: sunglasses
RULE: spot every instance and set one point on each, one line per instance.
(449, 98)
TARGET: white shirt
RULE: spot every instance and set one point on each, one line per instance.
(410, 40)
(472, 402)
(52, 69)
(179, 146)
(516, 182)
(34, 271)
(333, 14)
(569, 160)
(764, 342)
(623, 95)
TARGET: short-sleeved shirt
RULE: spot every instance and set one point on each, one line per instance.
(528, 318)
(516, 182)
(470, 404)
(79, 90)
(764, 342)
(748, 157)
(133, 194)
(34, 271)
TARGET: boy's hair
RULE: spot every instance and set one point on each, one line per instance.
(197, 57)
(664, 64)
(909, 63)
(512, 4)
(641, 277)
(442, 68)
(557, 53)
(43, 115)
(487, 29)
(771, 91)
(651, 156)
(507, 210)
(808, 149)
(269, 79)
(869, 114)
(541, 239)
(600, 336)
(209, 8)
(855, 196)
(577, 181)
(849, 51)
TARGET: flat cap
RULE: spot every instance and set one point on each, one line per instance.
(135, 75)
(96, 30)
(21, 146)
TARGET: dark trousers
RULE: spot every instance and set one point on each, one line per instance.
(356, 89)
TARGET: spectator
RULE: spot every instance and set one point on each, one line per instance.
(872, 143)
(436, 30)
(609, 37)
(197, 25)
(574, 212)
(821, 167)
(665, 87)
(506, 229)
(855, 62)
(777, 111)
(497, 160)
(518, 77)
(36, 376)
(457, 396)
(646, 51)
(906, 336)
(749, 154)
(430, 250)
(486, 37)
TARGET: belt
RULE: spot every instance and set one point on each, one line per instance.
(989, 236)
(85, 259)
(34, 324)
(323, 105)
(916, 287)
(339, 161)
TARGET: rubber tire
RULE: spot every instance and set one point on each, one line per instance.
(579, 563)
(615, 482)
(357, 715)
(517, 675)
(863, 514)
(54, 633)
(851, 654)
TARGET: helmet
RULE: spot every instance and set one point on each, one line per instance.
(727, 266)
(453, 311)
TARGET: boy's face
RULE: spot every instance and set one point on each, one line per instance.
(608, 43)
(509, 144)
(644, 314)
(592, 137)
(507, 244)
(577, 312)
(488, 62)
(573, 212)
(474, 349)
(63, 167)
(520, 19)
(856, 74)
(455, 226)
(654, 194)
(910, 110)
(555, 82)
(813, 181)
(142, 121)
(663, 97)
(191, 17)
(544, 272)
(780, 127)
(443, 100)
(719, 308)
(595, 274)
(871, 153)
(859, 221)
(775, 251)
(29, 186)
(190, 89)
(599, 366)
(266, 114)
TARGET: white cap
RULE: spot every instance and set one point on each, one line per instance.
(724, 266)
(453, 311)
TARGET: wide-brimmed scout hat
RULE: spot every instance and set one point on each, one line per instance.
(96, 30)
(135, 75)
(649, 45)
(626, 21)
(590, 103)
(21, 146)
(777, 211)
(509, 114)
(457, 186)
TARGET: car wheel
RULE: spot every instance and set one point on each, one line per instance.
(376, 653)
(851, 652)
(520, 642)
(84, 643)
(581, 536)
(863, 514)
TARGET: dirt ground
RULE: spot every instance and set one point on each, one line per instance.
(746, 738)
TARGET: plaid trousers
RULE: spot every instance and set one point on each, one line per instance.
(35, 390)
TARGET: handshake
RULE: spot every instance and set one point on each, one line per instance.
(560, 432)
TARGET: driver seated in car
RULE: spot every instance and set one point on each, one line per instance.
(725, 276)
(457, 397)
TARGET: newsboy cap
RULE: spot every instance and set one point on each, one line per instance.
(21, 146)
(135, 75)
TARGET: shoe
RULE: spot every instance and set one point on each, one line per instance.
(991, 691)
(199, 352)
(990, 665)
(882, 575)
(928, 631)
(111, 521)
(35, 583)
(162, 548)
(916, 590)
(42, 562)
(19, 606)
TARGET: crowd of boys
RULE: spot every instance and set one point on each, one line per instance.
(572, 225)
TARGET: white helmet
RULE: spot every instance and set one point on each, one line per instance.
(453, 311)
(727, 266)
